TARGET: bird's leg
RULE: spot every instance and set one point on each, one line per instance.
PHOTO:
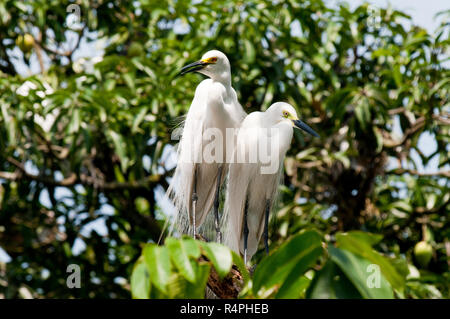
(266, 226)
(245, 231)
(194, 201)
(216, 207)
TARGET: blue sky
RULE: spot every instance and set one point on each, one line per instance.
(422, 13)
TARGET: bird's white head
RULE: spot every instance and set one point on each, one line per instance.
(284, 112)
(213, 64)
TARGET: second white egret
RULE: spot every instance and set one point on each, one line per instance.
(252, 185)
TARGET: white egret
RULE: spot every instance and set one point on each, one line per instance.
(196, 183)
(252, 186)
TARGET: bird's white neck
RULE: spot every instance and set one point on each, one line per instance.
(224, 78)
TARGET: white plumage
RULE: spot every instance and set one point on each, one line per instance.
(214, 109)
(256, 182)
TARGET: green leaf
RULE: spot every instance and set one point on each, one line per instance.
(197, 290)
(397, 75)
(180, 258)
(157, 260)
(249, 53)
(295, 257)
(362, 112)
(438, 86)
(129, 80)
(379, 138)
(369, 238)
(340, 156)
(192, 247)
(138, 120)
(74, 124)
(322, 62)
(220, 256)
(293, 287)
(118, 174)
(109, 84)
(365, 276)
(331, 283)
(356, 245)
(305, 153)
(120, 148)
(140, 281)
(178, 287)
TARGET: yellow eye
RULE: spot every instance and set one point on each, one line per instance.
(210, 60)
(286, 114)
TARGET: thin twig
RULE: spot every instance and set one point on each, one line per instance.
(84, 179)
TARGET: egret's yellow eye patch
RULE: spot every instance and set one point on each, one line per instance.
(286, 114)
(210, 60)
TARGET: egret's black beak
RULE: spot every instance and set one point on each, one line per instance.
(192, 67)
(302, 125)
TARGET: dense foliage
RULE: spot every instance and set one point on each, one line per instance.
(351, 269)
(86, 142)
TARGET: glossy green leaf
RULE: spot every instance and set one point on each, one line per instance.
(357, 245)
(331, 283)
(140, 281)
(158, 264)
(220, 256)
(291, 259)
(197, 290)
(293, 287)
(180, 257)
(369, 238)
(365, 276)
(120, 148)
(362, 112)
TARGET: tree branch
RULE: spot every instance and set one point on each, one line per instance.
(229, 287)
(401, 171)
(418, 124)
(442, 119)
(84, 179)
